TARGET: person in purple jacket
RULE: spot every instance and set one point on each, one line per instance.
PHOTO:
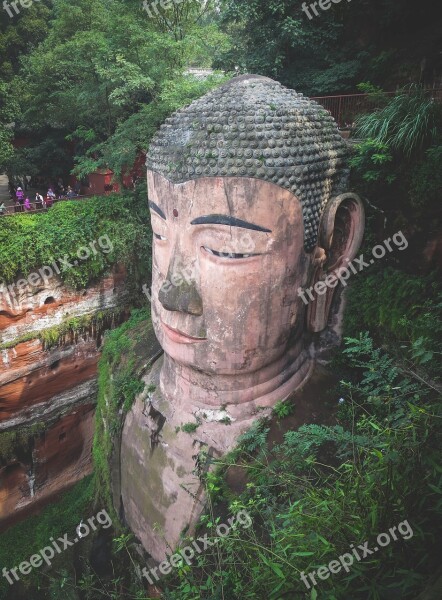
(20, 195)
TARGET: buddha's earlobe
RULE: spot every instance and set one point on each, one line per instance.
(340, 236)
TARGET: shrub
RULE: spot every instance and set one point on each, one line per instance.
(325, 488)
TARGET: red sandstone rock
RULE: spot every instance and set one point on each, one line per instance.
(61, 457)
(43, 307)
(237, 337)
(35, 376)
(55, 386)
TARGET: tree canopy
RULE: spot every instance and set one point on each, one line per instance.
(89, 81)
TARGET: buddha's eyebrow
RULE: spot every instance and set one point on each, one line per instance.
(157, 209)
(227, 220)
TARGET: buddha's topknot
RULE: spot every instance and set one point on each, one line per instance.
(254, 127)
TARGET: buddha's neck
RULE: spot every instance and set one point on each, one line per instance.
(240, 394)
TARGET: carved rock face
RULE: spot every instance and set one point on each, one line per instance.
(228, 261)
(242, 185)
(255, 127)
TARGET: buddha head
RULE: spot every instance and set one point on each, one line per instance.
(247, 192)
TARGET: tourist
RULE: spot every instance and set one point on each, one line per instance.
(50, 197)
(60, 186)
(19, 195)
(70, 192)
(28, 204)
(39, 201)
(2, 208)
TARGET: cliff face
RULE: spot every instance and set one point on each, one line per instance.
(49, 343)
(58, 457)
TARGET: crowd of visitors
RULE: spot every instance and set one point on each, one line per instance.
(26, 194)
(23, 203)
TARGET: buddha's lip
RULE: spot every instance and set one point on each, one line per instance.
(178, 336)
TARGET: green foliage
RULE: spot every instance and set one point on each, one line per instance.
(308, 439)
(21, 34)
(255, 438)
(28, 242)
(6, 148)
(267, 36)
(375, 94)
(8, 110)
(112, 68)
(401, 310)
(332, 52)
(18, 37)
(284, 409)
(119, 151)
(327, 487)
(124, 360)
(397, 165)
(384, 385)
(23, 338)
(426, 181)
(408, 124)
(373, 160)
(71, 328)
(190, 427)
(18, 442)
(19, 542)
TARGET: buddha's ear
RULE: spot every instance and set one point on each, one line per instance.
(340, 235)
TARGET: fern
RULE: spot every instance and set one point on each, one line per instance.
(255, 438)
(310, 438)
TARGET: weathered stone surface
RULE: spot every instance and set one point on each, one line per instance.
(35, 376)
(161, 493)
(248, 212)
(254, 127)
(61, 457)
(83, 392)
(39, 308)
(54, 387)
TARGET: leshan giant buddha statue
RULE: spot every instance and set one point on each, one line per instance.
(247, 191)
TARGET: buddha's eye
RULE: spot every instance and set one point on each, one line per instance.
(227, 255)
(159, 237)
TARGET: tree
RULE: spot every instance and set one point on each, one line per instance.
(113, 75)
(332, 52)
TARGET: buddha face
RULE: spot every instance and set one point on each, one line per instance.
(228, 260)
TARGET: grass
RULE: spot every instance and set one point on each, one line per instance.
(19, 542)
(408, 123)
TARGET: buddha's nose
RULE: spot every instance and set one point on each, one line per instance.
(179, 292)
